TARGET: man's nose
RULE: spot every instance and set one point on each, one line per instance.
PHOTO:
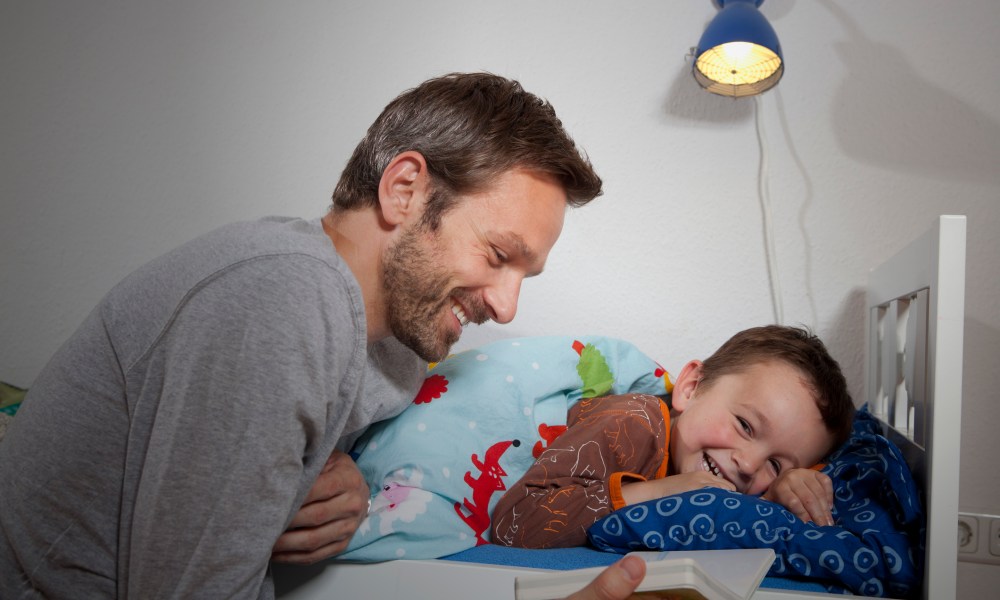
(501, 298)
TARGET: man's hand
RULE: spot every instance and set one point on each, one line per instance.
(807, 493)
(617, 582)
(334, 507)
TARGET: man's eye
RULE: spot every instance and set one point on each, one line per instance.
(499, 255)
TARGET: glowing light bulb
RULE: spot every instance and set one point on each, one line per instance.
(738, 69)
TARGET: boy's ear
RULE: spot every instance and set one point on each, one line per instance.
(685, 385)
(403, 188)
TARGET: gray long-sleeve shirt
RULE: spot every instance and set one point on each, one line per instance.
(169, 442)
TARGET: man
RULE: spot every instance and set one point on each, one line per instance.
(200, 409)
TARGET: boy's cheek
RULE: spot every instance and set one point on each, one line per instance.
(759, 487)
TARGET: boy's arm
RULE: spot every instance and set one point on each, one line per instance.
(577, 480)
(641, 491)
(807, 493)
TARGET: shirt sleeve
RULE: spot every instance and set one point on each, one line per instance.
(243, 396)
(608, 441)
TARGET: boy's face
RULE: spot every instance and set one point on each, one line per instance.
(748, 427)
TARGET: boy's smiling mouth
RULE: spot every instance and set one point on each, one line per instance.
(709, 465)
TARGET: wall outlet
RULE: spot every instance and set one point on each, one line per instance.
(979, 538)
(968, 534)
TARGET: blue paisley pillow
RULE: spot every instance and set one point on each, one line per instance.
(875, 548)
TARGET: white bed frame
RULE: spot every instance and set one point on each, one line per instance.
(916, 317)
(916, 312)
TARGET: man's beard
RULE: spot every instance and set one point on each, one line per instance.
(415, 287)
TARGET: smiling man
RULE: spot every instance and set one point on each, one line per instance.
(434, 278)
(195, 423)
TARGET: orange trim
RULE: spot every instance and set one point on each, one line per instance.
(661, 471)
(617, 500)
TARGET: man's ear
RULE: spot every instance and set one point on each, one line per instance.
(685, 386)
(403, 188)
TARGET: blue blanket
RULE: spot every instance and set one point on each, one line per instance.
(480, 420)
(874, 549)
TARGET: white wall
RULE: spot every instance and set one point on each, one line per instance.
(129, 127)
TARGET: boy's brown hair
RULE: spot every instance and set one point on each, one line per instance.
(470, 128)
(799, 348)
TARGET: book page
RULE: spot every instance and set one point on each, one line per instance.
(739, 571)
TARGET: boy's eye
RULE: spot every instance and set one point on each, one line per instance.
(776, 465)
(745, 425)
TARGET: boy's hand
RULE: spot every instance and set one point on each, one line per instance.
(640, 491)
(807, 493)
(331, 513)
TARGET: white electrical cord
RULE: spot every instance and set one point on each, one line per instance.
(763, 193)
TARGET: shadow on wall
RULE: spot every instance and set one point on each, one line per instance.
(686, 100)
(845, 337)
(980, 413)
(887, 115)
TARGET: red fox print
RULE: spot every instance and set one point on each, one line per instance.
(483, 488)
(433, 387)
(548, 433)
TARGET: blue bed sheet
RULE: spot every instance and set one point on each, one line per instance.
(584, 557)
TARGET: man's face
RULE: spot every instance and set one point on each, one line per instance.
(470, 269)
(748, 427)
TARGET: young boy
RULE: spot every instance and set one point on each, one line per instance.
(752, 418)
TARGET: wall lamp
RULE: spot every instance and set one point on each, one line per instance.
(739, 54)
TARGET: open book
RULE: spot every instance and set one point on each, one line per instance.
(679, 575)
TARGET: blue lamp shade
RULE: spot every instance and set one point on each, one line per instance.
(739, 54)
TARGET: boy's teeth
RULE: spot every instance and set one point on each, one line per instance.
(710, 466)
(457, 310)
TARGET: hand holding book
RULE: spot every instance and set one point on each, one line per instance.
(694, 575)
(617, 582)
